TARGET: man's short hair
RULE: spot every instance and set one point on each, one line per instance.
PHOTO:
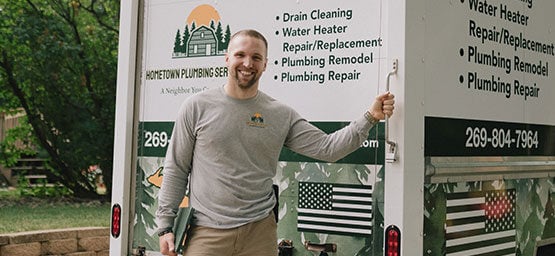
(251, 33)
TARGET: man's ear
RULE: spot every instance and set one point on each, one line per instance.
(265, 64)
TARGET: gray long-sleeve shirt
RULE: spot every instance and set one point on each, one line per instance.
(231, 147)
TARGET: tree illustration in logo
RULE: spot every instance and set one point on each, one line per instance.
(203, 35)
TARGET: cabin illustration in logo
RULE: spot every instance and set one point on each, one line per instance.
(202, 43)
(203, 35)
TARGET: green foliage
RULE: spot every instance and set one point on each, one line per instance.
(11, 195)
(40, 189)
(19, 214)
(58, 63)
(17, 142)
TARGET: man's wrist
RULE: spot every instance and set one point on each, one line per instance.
(163, 232)
(370, 118)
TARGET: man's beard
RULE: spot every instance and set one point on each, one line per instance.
(248, 84)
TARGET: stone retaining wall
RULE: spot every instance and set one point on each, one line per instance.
(70, 242)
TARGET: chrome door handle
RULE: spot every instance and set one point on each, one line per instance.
(390, 155)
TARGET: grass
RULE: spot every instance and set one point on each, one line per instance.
(23, 213)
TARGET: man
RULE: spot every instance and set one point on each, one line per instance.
(228, 140)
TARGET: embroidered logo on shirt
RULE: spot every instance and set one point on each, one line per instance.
(257, 121)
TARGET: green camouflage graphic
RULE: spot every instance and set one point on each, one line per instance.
(146, 203)
(288, 177)
(535, 217)
(289, 174)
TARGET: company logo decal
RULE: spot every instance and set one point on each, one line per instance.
(257, 121)
(203, 35)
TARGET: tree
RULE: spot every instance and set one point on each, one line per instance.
(177, 45)
(58, 63)
(226, 38)
(193, 26)
(185, 39)
(219, 36)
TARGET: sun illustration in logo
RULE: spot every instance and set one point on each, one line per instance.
(203, 15)
(202, 35)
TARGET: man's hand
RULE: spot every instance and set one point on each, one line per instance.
(167, 246)
(382, 106)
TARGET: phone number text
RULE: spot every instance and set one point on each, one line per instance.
(481, 137)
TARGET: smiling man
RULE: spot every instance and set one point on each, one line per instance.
(225, 146)
(246, 61)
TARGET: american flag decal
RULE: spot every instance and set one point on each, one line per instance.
(340, 209)
(481, 223)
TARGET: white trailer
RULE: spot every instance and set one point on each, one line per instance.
(466, 165)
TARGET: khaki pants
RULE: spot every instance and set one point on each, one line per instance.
(258, 238)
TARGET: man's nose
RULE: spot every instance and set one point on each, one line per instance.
(248, 62)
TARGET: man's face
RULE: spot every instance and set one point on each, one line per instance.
(246, 60)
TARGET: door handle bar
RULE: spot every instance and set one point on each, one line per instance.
(390, 155)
